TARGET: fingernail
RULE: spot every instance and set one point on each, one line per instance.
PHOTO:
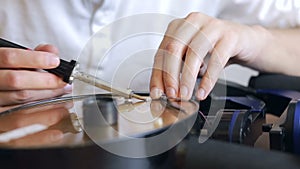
(53, 60)
(201, 94)
(184, 91)
(171, 92)
(155, 93)
(68, 88)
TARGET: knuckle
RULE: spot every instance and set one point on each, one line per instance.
(52, 81)
(193, 16)
(198, 51)
(173, 24)
(23, 96)
(8, 57)
(13, 79)
(216, 22)
(173, 47)
(170, 80)
(173, 27)
(194, 47)
(231, 34)
(49, 81)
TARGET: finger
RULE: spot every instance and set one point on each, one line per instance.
(156, 81)
(20, 58)
(47, 48)
(23, 79)
(17, 120)
(222, 52)
(180, 30)
(23, 96)
(198, 48)
(156, 84)
(175, 48)
(172, 67)
(38, 139)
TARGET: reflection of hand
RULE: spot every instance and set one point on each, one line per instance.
(48, 116)
(191, 39)
(157, 108)
(37, 139)
(20, 79)
(164, 113)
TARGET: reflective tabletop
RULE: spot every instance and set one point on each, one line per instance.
(79, 120)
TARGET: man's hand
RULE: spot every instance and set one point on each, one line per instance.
(183, 50)
(21, 77)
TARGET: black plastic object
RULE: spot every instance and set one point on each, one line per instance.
(234, 126)
(64, 69)
(275, 81)
(214, 154)
(286, 136)
(7, 44)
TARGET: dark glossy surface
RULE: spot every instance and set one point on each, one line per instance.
(64, 120)
(75, 149)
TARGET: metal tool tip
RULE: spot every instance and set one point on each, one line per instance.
(144, 98)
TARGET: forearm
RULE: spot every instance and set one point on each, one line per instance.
(279, 53)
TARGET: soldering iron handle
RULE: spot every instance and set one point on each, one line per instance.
(64, 69)
(7, 44)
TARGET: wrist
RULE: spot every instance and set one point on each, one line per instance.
(262, 40)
